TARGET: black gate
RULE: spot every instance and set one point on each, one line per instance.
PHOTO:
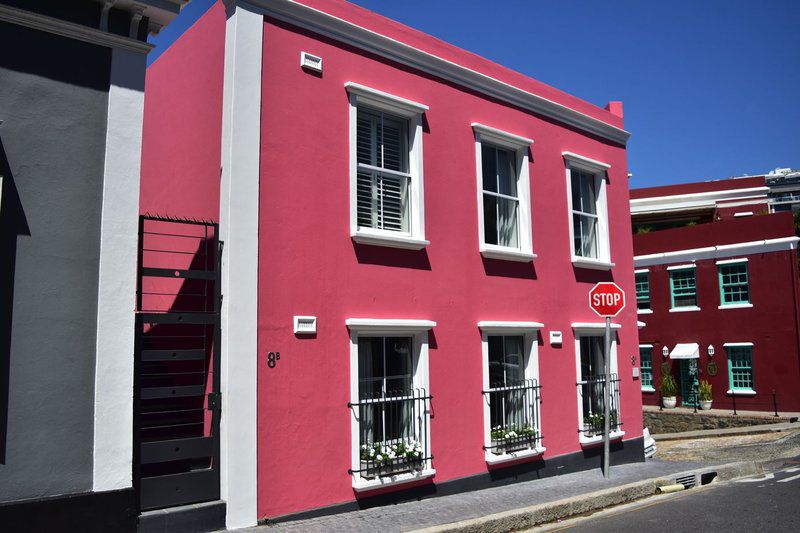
(176, 380)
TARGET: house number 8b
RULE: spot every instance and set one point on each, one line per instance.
(272, 358)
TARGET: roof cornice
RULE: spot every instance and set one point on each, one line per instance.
(339, 29)
(72, 30)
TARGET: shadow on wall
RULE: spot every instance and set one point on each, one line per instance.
(12, 223)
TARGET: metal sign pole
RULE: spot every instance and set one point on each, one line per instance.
(607, 402)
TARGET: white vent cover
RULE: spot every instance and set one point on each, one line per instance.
(305, 325)
(556, 337)
(310, 62)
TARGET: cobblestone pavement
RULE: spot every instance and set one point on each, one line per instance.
(446, 509)
(736, 448)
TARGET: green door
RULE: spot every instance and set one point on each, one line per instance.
(689, 382)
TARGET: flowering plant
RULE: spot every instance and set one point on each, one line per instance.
(385, 452)
(512, 431)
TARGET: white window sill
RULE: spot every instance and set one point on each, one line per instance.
(360, 485)
(644, 311)
(507, 254)
(594, 264)
(495, 459)
(390, 239)
(741, 392)
(591, 441)
(648, 389)
(684, 309)
(735, 306)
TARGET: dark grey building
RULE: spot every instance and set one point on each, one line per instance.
(784, 189)
(71, 102)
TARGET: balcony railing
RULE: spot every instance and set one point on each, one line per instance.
(393, 432)
(514, 417)
(591, 391)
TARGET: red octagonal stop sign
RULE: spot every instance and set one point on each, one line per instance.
(607, 299)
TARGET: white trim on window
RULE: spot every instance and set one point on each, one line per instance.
(734, 306)
(598, 169)
(520, 146)
(642, 271)
(645, 346)
(531, 349)
(682, 267)
(418, 331)
(591, 165)
(735, 344)
(742, 392)
(648, 389)
(644, 311)
(414, 239)
(731, 261)
(593, 330)
(684, 309)
(503, 327)
(583, 328)
(391, 325)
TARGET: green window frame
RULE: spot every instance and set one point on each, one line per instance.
(734, 283)
(740, 368)
(646, 366)
(683, 287)
(642, 290)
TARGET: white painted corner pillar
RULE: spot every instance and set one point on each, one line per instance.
(239, 194)
(116, 299)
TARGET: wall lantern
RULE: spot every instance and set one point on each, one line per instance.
(710, 351)
(665, 351)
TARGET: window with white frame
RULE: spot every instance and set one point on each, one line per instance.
(390, 401)
(588, 221)
(504, 203)
(740, 368)
(511, 390)
(386, 178)
(590, 361)
(646, 366)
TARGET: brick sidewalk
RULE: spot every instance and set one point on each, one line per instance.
(447, 509)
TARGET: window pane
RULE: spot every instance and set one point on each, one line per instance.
(496, 361)
(514, 360)
(643, 290)
(370, 366)
(392, 203)
(684, 289)
(489, 167)
(366, 137)
(398, 364)
(646, 364)
(507, 222)
(393, 138)
(734, 283)
(740, 370)
(584, 198)
(506, 172)
(585, 233)
(490, 219)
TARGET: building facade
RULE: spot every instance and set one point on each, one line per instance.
(716, 284)
(71, 107)
(409, 234)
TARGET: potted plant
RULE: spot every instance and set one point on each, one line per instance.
(705, 395)
(669, 391)
(387, 458)
(511, 438)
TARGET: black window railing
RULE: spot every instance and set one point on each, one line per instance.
(591, 390)
(513, 416)
(393, 432)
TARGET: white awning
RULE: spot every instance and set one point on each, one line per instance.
(685, 351)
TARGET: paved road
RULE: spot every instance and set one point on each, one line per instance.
(760, 503)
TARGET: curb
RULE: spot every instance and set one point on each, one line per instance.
(715, 433)
(528, 517)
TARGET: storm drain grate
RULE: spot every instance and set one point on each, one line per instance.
(688, 481)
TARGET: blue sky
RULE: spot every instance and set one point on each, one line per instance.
(711, 87)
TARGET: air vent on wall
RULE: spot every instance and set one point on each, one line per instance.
(311, 62)
(305, 325)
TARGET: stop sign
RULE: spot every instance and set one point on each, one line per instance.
(607, 299)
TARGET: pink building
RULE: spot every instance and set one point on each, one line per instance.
(409, 236)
